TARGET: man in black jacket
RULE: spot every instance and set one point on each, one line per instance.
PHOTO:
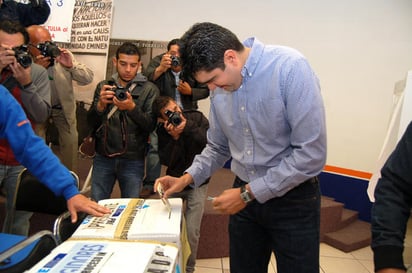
(121, 113)
(182, 135)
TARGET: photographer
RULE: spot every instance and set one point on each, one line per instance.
(29, 84)
(121, 115)
(182, 135)
(165, 71)
(63, 69)
(34, 13)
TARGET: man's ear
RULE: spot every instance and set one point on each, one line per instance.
(230, 57)
(114, 60)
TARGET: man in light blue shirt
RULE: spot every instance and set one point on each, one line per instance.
(266, 114)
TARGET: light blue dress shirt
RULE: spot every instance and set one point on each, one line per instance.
(273, 126)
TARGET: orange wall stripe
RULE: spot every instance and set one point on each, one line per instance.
(348, 172)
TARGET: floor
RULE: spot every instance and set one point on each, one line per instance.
(332, 260)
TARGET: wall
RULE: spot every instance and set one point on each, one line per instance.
(359, 49)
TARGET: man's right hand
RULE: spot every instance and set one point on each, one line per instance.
(172, 184)
(106, 97)
(165, 64)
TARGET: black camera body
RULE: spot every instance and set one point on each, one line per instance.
(22, 55)
(175, 60)
(48, 49)
(120, 93)
(173, 117)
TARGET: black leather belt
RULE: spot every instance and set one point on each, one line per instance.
(310, 180)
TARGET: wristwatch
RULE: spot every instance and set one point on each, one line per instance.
(245, 194)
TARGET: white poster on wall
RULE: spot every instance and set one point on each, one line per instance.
(59, 24)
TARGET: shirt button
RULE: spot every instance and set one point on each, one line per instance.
(249, 152)
(242, 108)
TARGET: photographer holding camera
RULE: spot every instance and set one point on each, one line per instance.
(29, 85)
(181, 136)
(121, 116)
(165, 71)
(63, 69)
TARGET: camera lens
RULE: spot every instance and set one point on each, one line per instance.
(175, 61)
(120, 94)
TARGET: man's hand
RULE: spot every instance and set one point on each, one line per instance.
(105, 98)
(43, 61)
(127, 104)
(21, 74)
(175, 131)
(229, 202)
(7, 57)
(172, 184)
(184, 88)
(65, 58)
(165, 64)
(80, 202)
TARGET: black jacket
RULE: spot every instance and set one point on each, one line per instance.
(167, 85)
(392, 207)
(178, 155)
(110, 140)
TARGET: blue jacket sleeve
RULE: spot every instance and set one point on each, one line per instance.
(31, 150)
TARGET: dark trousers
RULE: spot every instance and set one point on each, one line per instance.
(288, 226)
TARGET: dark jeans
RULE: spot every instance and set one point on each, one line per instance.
(287, 225)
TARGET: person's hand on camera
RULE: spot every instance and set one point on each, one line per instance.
(65, 58)
(106, 97)
(126, 104)
(165, 63)
(21, 74)
(7, 57)
(43, 61)
(173, 130)
(184, 88)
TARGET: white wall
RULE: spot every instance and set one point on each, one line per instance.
(359, 49)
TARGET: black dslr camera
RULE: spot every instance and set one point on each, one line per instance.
(48, 49)
(175, 60)
(173, 117)
(22, 55)
(119, 92)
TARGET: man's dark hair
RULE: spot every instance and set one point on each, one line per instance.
(13, 27)
(158, 104)
(173, 42)
(203, 47)
(127, 48)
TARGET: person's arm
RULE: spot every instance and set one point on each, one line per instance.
(32, 152)
(36, 95)
(157, 67)
(196, 128)
(79, 72)
(391, 210)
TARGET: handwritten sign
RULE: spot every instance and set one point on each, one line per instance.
(90, 32)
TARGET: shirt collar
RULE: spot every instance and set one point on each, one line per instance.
(254, 56)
